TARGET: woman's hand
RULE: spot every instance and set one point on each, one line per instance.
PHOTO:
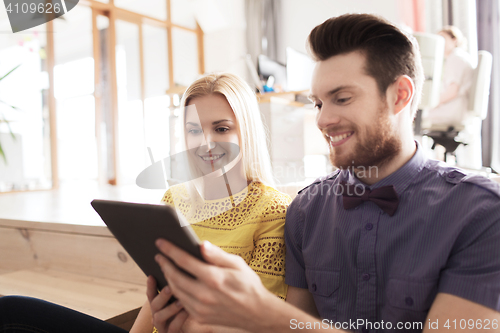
(166, 318)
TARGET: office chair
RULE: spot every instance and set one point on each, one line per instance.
(451, 136)
(432, 53)
(431, 48)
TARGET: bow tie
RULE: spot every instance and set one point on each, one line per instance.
(385, 197)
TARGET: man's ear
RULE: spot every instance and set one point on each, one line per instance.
(403, 89)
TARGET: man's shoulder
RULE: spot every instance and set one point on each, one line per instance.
(439, 174)
(482, 183)
(319, 181)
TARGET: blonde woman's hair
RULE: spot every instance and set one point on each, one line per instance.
(455, 34)
(243, 102)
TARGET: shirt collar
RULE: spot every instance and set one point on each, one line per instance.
(401, 178)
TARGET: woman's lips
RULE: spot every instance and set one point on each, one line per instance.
(211, 158)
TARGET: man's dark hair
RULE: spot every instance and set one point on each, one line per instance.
(389, 51)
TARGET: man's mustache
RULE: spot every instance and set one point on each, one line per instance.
(333, 130)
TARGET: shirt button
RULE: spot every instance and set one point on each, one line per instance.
(451, 175)
(314, 287)
(409, 301)
(369, 226)
(366, 276)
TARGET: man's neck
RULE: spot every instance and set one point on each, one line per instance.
(371, 177)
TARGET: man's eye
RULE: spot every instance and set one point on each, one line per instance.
(318, 106)
(343, 100)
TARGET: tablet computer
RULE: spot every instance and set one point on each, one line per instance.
(138, 226)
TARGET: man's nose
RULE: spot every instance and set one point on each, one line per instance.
(326, 117)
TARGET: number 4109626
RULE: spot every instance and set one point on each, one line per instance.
(478, 324)
(46, 8)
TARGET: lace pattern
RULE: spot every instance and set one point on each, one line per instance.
(260, 214)
(258, 202)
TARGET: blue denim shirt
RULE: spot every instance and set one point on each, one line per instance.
(362, 264)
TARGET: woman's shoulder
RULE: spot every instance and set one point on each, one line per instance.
(460, 56)
(271, 204)
(269, 193)
(178, 190)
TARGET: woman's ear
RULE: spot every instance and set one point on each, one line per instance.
(404, 90)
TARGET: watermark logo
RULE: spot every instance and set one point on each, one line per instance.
(26, 14)
(212, 160)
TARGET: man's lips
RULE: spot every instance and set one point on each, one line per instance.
(336, 139)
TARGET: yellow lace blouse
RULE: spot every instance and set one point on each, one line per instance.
(249, 224)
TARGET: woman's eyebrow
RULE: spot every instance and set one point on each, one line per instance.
(221, 121)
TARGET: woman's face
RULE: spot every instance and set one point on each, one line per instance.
(212, 135)
(449, 43)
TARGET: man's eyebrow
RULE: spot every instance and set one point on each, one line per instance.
(331, 92)
(192, 124)
(336, 90)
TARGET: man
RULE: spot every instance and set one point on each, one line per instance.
(391, 241)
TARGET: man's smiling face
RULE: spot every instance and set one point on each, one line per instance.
(352, 114)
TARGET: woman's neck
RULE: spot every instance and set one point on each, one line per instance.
(228, 184)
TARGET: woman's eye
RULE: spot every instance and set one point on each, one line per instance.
(317, 106)
(194, 131)
(222, 129)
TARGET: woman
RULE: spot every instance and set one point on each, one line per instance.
(456, 81)
(454, 99)
(230, 200)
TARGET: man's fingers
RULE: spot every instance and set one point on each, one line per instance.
(177, 323)
(179, 282)
(211, 253)
(165, 314)
(181, 258)
(217, 256)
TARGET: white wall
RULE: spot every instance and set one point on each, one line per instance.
(433, 15)
(225, 51)
(300, 16)
(464, 17)
(225, 46)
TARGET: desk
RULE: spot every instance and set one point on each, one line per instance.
(55, 247)
(113, 301)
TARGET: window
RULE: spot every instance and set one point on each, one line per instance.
(94, 87)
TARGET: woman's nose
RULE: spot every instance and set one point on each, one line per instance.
(206, 143)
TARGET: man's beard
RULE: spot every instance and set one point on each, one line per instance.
(374, 148)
